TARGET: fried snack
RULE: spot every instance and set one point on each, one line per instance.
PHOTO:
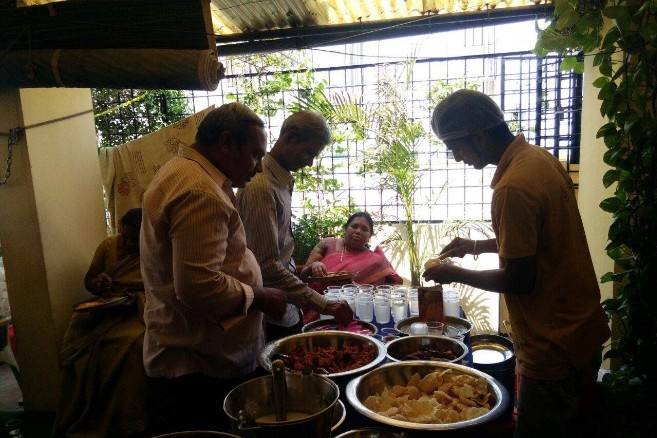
(440, 397)
(331, 359)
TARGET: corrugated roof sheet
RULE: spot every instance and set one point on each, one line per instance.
(237, 16)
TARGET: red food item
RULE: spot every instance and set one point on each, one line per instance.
(331, 359)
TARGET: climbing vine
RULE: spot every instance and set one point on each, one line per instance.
(621, 36)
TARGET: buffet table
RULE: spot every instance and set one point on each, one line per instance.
(498, 425)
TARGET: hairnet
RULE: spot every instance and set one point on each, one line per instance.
(463, 113)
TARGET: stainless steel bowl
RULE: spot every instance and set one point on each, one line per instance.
(339, 415)
(454, 326)
(373, 433)
(311, 326)
(399, 373)
(398, 349)
(329, 338)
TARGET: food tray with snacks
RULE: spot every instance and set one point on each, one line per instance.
(98, 303)
(424, 395)
(331, 277)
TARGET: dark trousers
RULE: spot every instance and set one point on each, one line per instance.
(558, 408)
(191, 402)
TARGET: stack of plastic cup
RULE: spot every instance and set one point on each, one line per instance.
(413, 303)
(398, 305)
(382, 308)
(365, 307)
(331, 295)
(349, 295)
(366, 288)
(451, 303)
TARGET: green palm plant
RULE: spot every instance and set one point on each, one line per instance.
(395, 161)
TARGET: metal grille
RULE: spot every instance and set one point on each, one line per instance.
(538, 98)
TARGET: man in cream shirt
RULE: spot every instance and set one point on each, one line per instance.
(204, 295)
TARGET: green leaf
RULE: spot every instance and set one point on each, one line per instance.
(612, 140)
(601, 81)
(605, 67)
(579, 67)
(610, 177)
(610, 38)
(611, 204)
(606, 129)
(569, 63)
(616, 12)
(597, 59)
(567, 19)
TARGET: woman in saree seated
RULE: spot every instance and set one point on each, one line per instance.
(103, 378)
(350, 253)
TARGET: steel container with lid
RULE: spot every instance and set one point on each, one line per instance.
(494, 355)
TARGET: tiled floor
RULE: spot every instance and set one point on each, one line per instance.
(14, 423)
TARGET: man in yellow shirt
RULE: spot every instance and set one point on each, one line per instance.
(546, 272)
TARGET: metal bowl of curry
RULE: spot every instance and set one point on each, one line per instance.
(334, 354)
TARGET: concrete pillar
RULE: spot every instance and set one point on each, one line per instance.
(51, 220)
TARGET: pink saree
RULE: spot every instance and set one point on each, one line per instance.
(372, 266)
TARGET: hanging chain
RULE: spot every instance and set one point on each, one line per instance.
(13, 140)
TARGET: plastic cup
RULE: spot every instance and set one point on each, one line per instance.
(413, 303)
(382, 309)
(451, 303)
(365, 307)
(350, 298)
(435, 328)
(398, 308)
(419, 328)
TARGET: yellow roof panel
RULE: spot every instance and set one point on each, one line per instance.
(238, 16)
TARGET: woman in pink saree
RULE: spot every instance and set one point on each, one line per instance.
(350, 253)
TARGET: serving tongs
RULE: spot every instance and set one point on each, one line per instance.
(279, 386)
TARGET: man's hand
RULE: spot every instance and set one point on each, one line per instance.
(272, 302)
(458, 247)
(318, 269)
(340, 310)
(443, 273)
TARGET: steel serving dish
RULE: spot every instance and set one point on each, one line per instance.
(373, 433)
(312, 326)
(338, 416)
(453, 326)
(399, 373)
(398, 349)
(329, 338)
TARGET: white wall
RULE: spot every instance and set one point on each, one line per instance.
(67, 188)
(592, 168)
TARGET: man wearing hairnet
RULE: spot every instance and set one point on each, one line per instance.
(546, 272)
